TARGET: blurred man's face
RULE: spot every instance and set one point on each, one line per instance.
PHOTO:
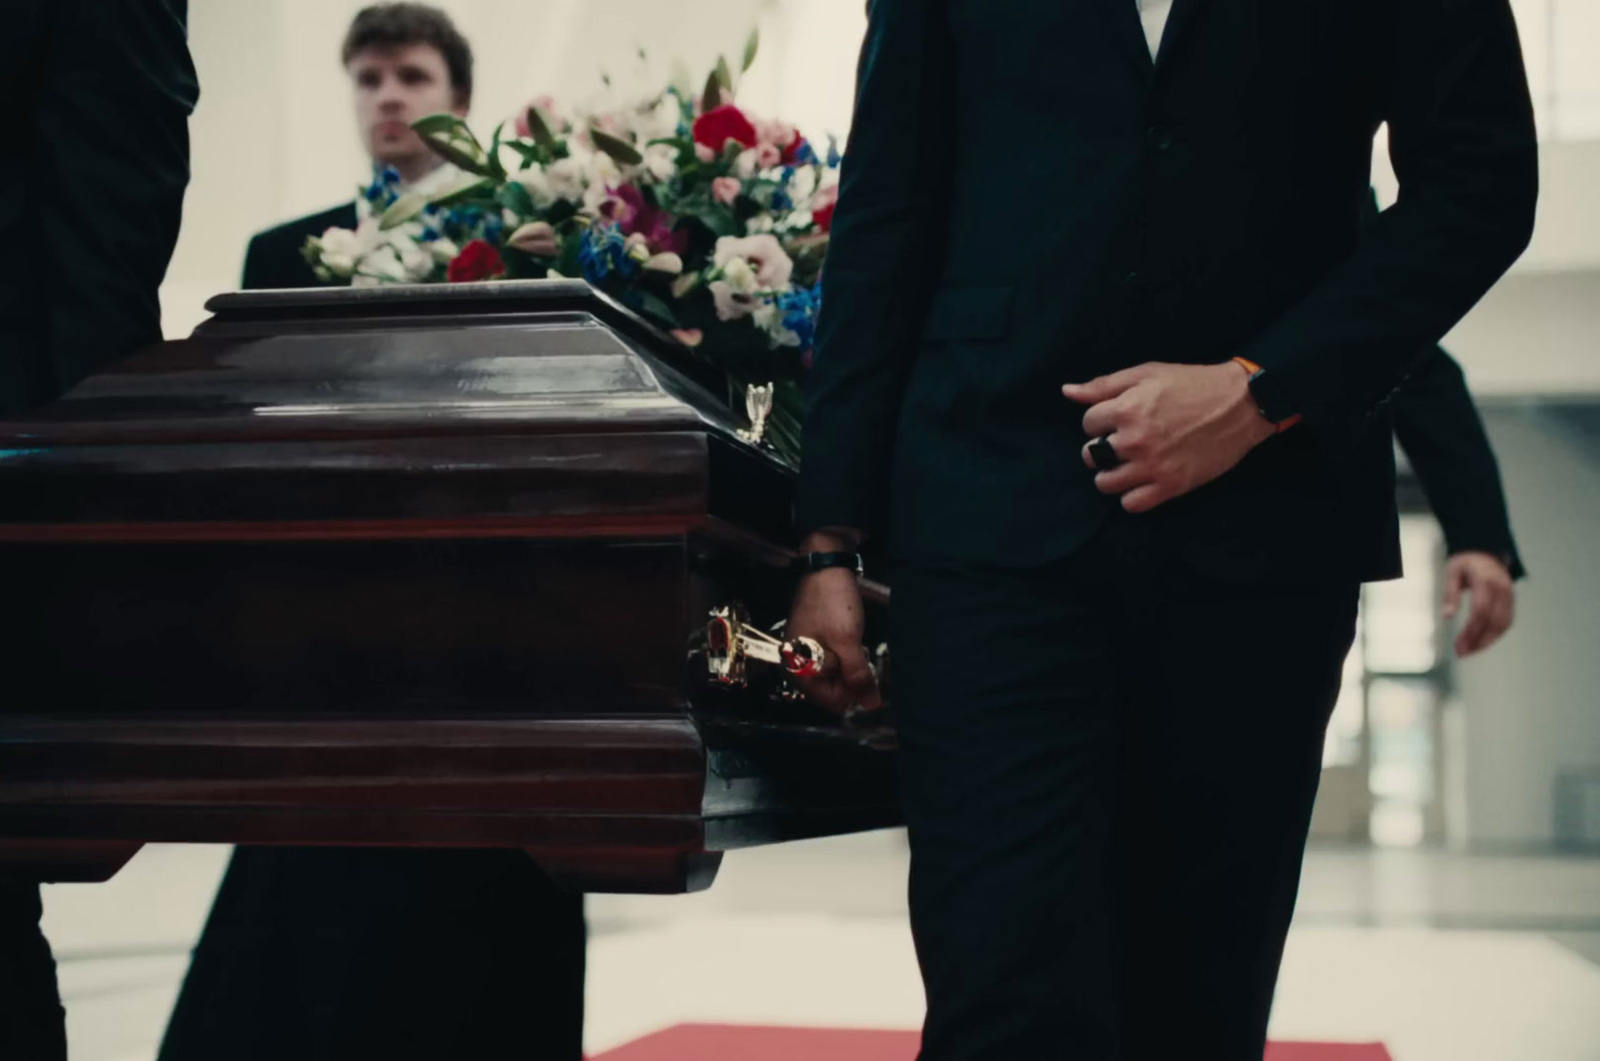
(393, 88)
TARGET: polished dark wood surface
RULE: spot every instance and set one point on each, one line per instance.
(404, 566)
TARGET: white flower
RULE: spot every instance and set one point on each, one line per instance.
(384, 266)
(661, 160)
(761, 224)
(668, 263)
(803, 185)
(444, 250)
(740, 277)
(763, 255)
(747, 163)
(731, 305)
(540, 186)
(342, 249)
(415, 259)
(568, 179)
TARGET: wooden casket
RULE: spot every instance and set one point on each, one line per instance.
(425, 566)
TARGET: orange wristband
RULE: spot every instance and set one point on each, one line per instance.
(1251, 368)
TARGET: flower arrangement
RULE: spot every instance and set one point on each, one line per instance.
(707, 221)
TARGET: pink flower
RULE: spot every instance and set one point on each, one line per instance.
(726, 189)
(537, 238)
(769, 156)
(704, 154)
(690, 337)
(635, 214)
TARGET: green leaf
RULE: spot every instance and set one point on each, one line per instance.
(515, 197)
(620, 150)
(724, 75)
(450, 152)
(403, 209)
(462, 188)
(497, 169)
(540, 129)
(441, 124)
(711, 99)
(752, 48)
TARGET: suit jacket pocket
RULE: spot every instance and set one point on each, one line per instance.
(970, 313)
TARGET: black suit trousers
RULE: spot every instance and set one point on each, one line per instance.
(1108, 768)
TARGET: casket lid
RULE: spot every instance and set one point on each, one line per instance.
(526, 357)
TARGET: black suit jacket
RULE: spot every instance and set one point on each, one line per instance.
(1027, 199)
(273, 259)
(92, 175)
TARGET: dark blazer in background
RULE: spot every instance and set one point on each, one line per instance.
(274, 261)
(1442, 434)
(1027, 200)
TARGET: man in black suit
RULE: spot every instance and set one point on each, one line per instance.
(96, 161)
(332, 953)
(1103, 354)
(405, 61)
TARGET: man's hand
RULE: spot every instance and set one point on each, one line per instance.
(1494, 599)
(827, 606)
(1175, 427)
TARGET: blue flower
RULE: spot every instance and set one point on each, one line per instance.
(385, 187)
(604, 251)
(800, 306)
(834, 158)
(807, 155)
(782, 203)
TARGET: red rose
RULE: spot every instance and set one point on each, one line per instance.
(824, 216)
(477, 261)
(716, 127)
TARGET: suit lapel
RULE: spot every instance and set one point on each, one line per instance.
(1179, 23)
(1122, 18)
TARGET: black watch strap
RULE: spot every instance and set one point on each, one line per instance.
(810, 563)
(1276, 405)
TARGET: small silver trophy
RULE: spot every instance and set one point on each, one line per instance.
(758, 407)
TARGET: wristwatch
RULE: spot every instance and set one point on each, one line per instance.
(1274, 404)
(811, 563)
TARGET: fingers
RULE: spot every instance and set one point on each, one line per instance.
(859, 680)
(1493, 612)
(1122, 479)
(1146, 498)
(1104, 388)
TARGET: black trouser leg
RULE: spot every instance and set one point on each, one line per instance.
(334, 953)
(32, 1024)
(1009, 730)
(1223, 758)
(1108, 771)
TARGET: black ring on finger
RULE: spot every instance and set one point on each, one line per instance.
(1104, 454)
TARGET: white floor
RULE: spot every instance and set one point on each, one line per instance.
(1444, 957)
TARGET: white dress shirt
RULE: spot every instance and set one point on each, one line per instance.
(1153, 13)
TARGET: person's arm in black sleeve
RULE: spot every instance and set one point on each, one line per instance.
(1443, 437)
(1462, 140)
(883, 261)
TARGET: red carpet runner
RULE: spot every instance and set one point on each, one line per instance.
(720, 1042)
